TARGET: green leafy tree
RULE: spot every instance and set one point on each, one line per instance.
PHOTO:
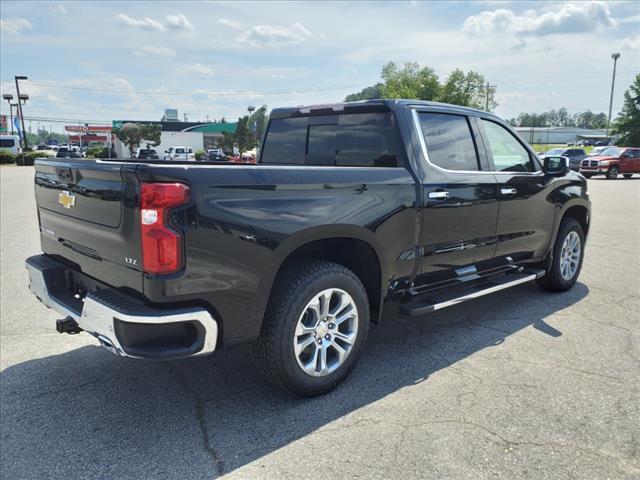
(367, 93)
(131, 134)
(258, 123)
(152, 132)
(410, 82)
(244, 138)
(227, 142)
(467, 89)
(627, 125)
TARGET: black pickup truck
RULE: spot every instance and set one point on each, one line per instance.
(352, 210)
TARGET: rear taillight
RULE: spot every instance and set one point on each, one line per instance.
(161, 246)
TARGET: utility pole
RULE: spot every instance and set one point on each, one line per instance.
(615, 57)
(24, 132)
(486, 102)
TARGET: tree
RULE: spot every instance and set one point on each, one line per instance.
(243, 137)
(152, 132)
(367, 93)
(131, 134)
(627, 125)
(410, 82)
(258, 123)
(466, 89)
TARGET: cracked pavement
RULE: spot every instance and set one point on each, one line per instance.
(521, 384)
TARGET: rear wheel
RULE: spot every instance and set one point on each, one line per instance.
(628, 175)
(613, 172)
(568, 252)
(314, 329)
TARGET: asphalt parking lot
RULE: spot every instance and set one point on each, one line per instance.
(521, 384)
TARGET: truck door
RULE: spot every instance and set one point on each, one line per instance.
(460, 198)
(628, 162)
(526, 216)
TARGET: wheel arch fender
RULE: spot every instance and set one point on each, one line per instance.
(331, 236)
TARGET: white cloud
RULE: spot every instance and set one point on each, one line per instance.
(178, 22)
(565, 18)
(145, 23)
(274, 36)
(58, 8)
(631, 43)
(198, 69)
(227, 22)
(157, 50)
(15, 25)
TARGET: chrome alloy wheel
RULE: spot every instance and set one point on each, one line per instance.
(570, 256)
(326, 332)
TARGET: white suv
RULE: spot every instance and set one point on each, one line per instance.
(180, 154)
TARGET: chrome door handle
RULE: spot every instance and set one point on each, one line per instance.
(508, 191)
(439, 195)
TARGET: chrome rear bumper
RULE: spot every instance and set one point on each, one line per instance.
(122, 324)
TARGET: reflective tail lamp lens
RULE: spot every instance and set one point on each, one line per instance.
(161, 245)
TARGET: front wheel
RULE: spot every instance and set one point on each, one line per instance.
(314, 328)
(587, 175)
(613, 172)
(568, 253)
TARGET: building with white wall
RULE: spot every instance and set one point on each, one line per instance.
(560, 134)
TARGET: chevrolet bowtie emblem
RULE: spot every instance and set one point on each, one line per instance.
(66, 199)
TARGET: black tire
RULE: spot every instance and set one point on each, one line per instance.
(553, 279)
(274, 352)
(613, 172)
(627, 175)
(587, 175)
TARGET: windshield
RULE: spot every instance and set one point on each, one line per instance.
(611, 152)
(555, 151)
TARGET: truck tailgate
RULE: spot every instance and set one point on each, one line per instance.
(87, 211)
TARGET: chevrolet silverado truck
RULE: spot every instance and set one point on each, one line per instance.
(611, 162)
(353, 210)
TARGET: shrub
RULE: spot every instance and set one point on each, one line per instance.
(199, 155)
(27, 159)
(7, 157)
(99, 152)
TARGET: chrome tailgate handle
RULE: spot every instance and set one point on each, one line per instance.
(439, 195)
(508, 191)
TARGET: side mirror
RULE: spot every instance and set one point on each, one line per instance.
(555, 166)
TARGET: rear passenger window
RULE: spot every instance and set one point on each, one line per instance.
(449, 141)
(285, 142)
(508, 154)
(350, 139)
(367, 140)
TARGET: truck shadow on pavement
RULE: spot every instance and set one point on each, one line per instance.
(89, 414)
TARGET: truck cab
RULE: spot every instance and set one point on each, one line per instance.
(611, 162)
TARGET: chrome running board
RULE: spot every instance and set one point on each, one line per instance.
(433, 301)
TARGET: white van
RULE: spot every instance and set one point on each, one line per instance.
(10, 143)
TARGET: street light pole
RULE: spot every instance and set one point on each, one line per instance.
(615, 57)
(24, 132)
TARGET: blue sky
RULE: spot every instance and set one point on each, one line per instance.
(114, 60)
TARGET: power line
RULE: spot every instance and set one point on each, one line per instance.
(44, 83)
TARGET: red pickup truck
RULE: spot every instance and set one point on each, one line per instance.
(611, 162)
